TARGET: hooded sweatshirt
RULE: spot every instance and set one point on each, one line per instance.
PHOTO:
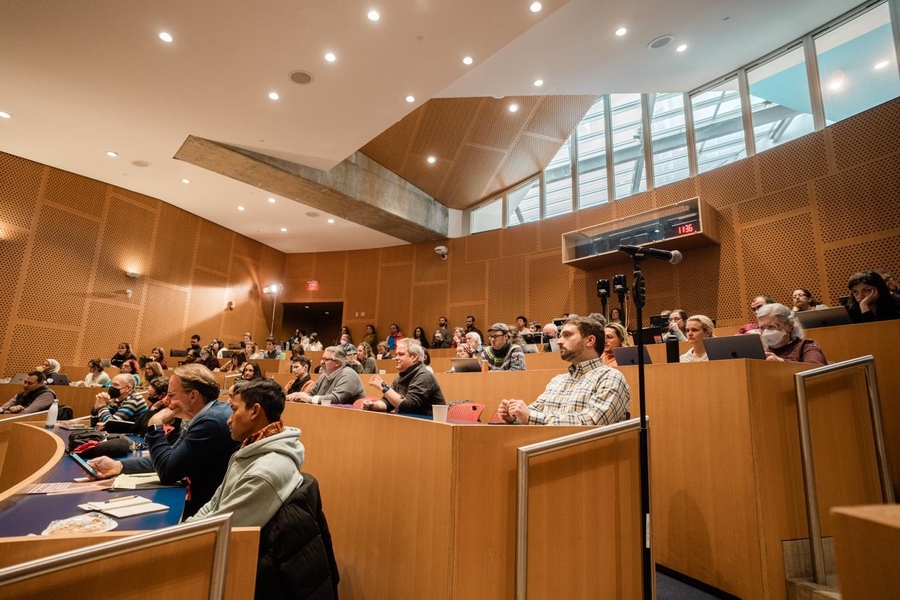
(260, 477)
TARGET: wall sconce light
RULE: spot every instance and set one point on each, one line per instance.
(129, 293)
(132, 274)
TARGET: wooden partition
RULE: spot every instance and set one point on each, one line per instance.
(727, 486)
(179, 569)
(79, 398)
(27, 452)
(866, 539)
(420, 509)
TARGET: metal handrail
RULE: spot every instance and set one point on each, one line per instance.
(220, 525)
(817, 551)
(524, 453)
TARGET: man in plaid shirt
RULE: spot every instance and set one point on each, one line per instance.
(589, 394)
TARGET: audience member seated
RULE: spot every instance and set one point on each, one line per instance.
(365, 357)
(120, 403)
(677, 324)
(615, 316)
(419, 336)
(413, 391)
(352, 357)
(265, 471)
(157, 398)
(473, 341)
(395, 335)
(470, 327)
(152, 371)
(446, 334)
(371, 338)
(698, 327)
(384, 353)
(550, 333)
(615, 336)
(313, 345)
(502, 354)
(217, 348)
(534, 327)
(122, 354)
(251, 371)
(203, 450)
(159, 355)
(96, 376)
(890, 281)
(191, 357)
(49, 367)
(195, 344)
(247, 343)
(301, 381)
(255, 353)
(784, 337)
(802, 300)
(522, 325)
(34, 397)
(297, 350)
(589, 394)
(235, 363)
(439, 341)
(459, 337)
(871, 299)
(339, 384)
(755, 304)
(208, 359)
(272, 351)
(133, 368)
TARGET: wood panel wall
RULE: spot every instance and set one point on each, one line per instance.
(805, 214)
(66, 242)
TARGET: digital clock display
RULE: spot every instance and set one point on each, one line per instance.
(686, 228)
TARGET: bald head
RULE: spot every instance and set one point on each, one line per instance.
(550, 330)
(123, 381)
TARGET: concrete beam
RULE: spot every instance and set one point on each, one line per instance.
(358, 189)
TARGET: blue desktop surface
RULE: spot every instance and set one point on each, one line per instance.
(31, 513)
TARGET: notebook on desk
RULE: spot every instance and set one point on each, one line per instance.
(734, 346)
(827, 317)
(465, 365)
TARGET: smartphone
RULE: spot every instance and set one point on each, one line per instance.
(91, 471)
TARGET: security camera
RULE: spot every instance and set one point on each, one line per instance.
(442, 251)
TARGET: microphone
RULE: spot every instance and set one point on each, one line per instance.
(673, 256)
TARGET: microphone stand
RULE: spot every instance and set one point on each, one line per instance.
(603, 309)
(647, 566)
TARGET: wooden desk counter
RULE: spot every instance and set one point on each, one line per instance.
(439, 499)
(79, 398)
(27, 452)
(866, 539)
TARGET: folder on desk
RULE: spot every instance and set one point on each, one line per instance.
(125, 508)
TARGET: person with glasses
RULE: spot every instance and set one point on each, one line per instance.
(413, 391)
(338, 384)
(755, 305)
(677, 324)
(501, 354)
(118, 403)
(200, 454)
(802, 300)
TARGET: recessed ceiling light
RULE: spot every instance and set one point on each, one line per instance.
(312, 215)
(468, 60)
(112, 153)
(513, 107)
(432, 160)
(373, 15)
(5, 115)
(330, 57)
(880, 65)
(185, 181)
(271, 200)
(538, 82)
(331, 221)
(166, 37)
(284, 229)
(621, 31)
(274, 95)
(681, 48)
(240, 208)
(141, 163)
(536, 7)
(410, 98)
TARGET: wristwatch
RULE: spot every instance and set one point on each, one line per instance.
(155, 428)
(385, 388)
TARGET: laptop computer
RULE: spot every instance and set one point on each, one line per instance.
(18, 378)
(554, 345)
(652, 335)
(734, 346)
(659, 321)
(465, 365)
(530, 348)
(628, 355)
(58, 379)
(174, 352)
(827, 317)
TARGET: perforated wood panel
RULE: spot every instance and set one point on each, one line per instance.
(729, 301)
(841, 263)
(164, 313)
(429, 303)
(151, 203)
(555, 292)
(767, 270)
(443, 127)
(729, 184)
(484, 246)
(122, 251)
(632, 205)
(551, 230)
(82, 194)
(107, 325)
(519, 240)
(675, 192)
(330, 270)
(33, 344)
(467, 280)
(247, 248)
(395, 298)
(207, 304)
(12, 253)
(774, 204)
(595, 215)
(867, 136)
(299, 267)
(508, 290)
(20, 183)
(529, 158)
(63, 242)
(244, 292)
(173, 250)
(362, 282)
(793, 162)
(214, 247)
(458, 314)
(396, 255)
(497, 127)
(553, 118)
(860, 201)
(470, 176)
(429, 266)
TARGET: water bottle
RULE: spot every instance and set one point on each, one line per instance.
(672, 349)
(51, 414)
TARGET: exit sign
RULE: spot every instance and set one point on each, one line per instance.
(312, 286)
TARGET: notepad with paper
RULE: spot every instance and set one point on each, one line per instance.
(130, 507)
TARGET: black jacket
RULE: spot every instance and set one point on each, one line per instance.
(296, 559)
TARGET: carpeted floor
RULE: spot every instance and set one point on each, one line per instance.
(668, 588)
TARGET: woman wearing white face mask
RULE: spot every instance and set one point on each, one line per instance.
(784, 337)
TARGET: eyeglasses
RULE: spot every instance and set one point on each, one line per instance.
(496, 335)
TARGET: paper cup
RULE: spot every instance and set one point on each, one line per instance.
(440, 412)
(382, 372)
(326, 401)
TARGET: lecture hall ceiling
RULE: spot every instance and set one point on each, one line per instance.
(81, 79)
